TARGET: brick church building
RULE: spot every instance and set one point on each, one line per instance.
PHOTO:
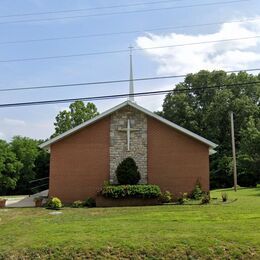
(83, 158)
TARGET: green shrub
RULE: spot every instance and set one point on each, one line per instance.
(78, 204)
(205, 198)
(131, 191)
(166, 197)
(127, 172)
(247, 179)
(224, 196)
(106, 183)
(182, 198)
(54, 203)
(196, 193)
(90, 203)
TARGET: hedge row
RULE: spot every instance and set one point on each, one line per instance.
(131, 191)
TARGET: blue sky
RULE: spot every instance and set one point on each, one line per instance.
(37, 121)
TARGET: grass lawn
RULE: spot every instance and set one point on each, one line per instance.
(216, 231)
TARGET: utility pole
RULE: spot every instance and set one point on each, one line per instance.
(234, 151)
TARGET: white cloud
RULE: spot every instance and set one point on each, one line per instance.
(2, 135)
(10, 127)
(191, 58)
(180, 60)
(13, 122)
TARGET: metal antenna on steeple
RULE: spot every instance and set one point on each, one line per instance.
(131, 80)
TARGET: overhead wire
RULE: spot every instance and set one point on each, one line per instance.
(147, 30)
(117, 51)
(89, 9)
(149, 93)
(121, 12)
(124, 50)
(113, 81)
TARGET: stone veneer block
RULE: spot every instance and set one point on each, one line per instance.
(138, 141)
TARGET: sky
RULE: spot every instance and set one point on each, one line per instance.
(179, 16)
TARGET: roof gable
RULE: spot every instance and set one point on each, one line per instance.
(47, 144)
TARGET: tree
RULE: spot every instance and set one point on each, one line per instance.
(206, 111)
(42, 163)
(78, 114)
(26, 151)
(9, 168)
(21, 161)
(249, 154)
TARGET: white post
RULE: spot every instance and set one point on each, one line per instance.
(234, 151)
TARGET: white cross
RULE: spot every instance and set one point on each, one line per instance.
(128, 130)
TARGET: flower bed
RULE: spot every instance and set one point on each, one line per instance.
(131, 191)
(128, 195)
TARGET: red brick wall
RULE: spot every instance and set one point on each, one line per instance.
(175, 161)
(80, 163)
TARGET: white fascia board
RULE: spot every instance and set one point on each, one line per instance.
(132, 104)
(177, 127)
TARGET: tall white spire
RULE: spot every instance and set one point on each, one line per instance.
(131, 79)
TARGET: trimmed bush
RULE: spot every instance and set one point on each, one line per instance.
(224, 196)
(182, 198)
(205, 198)
(90, 203)
(78, 204)
(127, 172)
(166, 197)
(131, 191)
(54, 203)
(197, 193)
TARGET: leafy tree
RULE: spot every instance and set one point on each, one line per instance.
(42, 163)
(206, 111)
(9, 168)
(249, 154)
(21, 161)
(26, 151)
(78, 114)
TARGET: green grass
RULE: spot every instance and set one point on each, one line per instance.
(218, 231)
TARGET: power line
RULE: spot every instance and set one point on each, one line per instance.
(122, 12)
(198, 43)
(128, 32)
(110, 81)
(89, 9)
(149, 93)
(125, 50)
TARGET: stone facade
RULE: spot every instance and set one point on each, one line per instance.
(138, 140)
